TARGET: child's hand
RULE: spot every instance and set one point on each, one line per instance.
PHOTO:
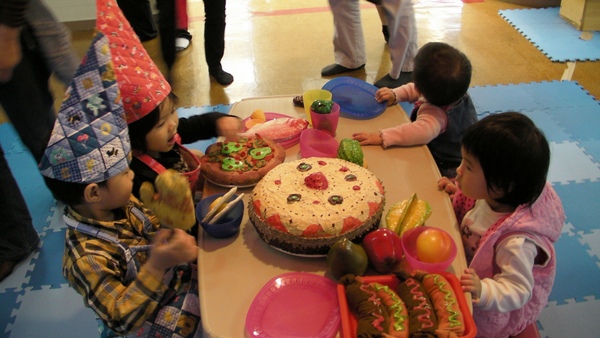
(172, 247)
(447, 185)
(385, 94)
(368, 138)
(229, 126)
(471, 283)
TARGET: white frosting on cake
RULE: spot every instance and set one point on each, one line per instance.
(283, 192)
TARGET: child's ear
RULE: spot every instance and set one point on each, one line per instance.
(91, 193)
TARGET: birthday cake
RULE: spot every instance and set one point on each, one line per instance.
(304, 206)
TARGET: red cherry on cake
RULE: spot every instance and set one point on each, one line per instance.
(316, 181)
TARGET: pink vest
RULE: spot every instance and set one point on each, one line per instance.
(542, 223)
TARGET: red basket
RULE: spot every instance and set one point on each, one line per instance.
(349, 324)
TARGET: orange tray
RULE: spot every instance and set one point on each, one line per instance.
(349, 323)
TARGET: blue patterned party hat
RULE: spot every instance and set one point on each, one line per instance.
(90, 140)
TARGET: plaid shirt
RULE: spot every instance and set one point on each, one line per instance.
(96, 269)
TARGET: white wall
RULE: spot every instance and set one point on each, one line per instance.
(73, 10)
(77, 10)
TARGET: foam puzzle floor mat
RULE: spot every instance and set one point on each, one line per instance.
(566, 113)
(553, 35)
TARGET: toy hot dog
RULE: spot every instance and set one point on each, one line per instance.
(398, 314)
(450, 318)
(371, 314)
(422, 317)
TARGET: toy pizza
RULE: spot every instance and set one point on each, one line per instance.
(241, 162)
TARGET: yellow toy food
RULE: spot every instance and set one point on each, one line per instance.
(170, 198)
(257, 117)
(407, 214)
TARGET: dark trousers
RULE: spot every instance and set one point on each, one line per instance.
(139, 15)
(27, 101)
(214, 32)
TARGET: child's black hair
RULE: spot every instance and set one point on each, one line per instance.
(442, 73)
(68, 192)
(513, 153)
(140, 128)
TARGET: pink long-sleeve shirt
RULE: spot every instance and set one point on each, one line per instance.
(431, 121)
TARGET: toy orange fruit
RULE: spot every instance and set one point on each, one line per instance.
(251, 123)
(433, 246)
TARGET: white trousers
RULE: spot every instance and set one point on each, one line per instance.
(349, 41)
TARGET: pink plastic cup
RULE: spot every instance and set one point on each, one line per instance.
(326, 122)
(317, 143)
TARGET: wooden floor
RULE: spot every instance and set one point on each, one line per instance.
(279, 47)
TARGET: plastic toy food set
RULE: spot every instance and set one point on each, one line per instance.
(427, 305)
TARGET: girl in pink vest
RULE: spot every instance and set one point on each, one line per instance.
(509, 218)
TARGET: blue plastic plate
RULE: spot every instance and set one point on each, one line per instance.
(355, 97)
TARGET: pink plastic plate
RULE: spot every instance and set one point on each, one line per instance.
(287, 143)
(295, 304)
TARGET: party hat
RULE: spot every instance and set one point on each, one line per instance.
(143, 87)
(90, 140)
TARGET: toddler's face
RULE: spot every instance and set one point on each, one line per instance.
(119, 188)
(161, 138)
(472, 182)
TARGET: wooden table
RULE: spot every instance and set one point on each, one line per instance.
(232, 271)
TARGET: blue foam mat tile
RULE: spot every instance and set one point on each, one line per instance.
(57, 312)
(552, 35)
(569, 163)
(48, 264)
(583, 123)
(571, 319)
(592, 240)
(531, 96)
(581, 203)
(569, 250)
(501, 98)
(553, 131)
(8, 300)
(592, 148)
(554, 94)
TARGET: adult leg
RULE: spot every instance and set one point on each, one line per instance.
(54, 40)
(214, 40)
(166, 29)
(27, 98)
(348, 39)
(402, 44)
(183, 36)
(19, 237)
(384, 23)
(139, 15)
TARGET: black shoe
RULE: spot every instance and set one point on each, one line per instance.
(334, 69)
(389, 82)
(386, 33)
(221, 76)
